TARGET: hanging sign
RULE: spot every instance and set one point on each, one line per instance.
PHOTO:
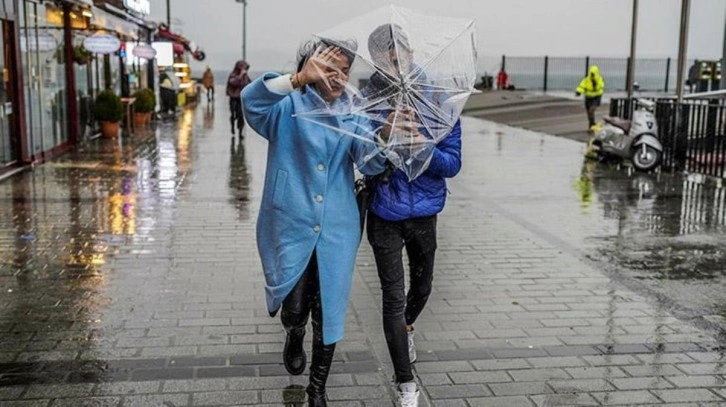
(102, 43)
(145, 51)
(138, 6)
(42, 42)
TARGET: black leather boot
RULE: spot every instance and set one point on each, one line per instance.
(319, 368)
(293, 355)
(317, 400)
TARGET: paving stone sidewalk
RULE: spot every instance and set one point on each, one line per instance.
(129, 277)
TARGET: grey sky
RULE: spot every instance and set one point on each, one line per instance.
(512, 27)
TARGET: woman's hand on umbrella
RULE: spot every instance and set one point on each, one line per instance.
(319, 67)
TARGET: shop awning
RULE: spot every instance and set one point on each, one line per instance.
(88, 3)
(107, 21)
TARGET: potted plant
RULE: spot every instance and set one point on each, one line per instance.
(108, 111)
(81, 55)
(144, 105)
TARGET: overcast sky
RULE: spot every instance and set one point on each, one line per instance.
(275, 28)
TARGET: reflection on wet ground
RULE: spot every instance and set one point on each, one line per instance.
(294, 396)
(239, 178)
(665, 230)
(669, 232)
(65, 224)
(134, 260)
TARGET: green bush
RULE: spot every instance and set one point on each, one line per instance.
(145, 101)
(108, 107)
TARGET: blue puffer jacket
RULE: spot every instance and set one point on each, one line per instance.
(399, 199)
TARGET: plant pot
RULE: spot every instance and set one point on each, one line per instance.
(148, 117)
(139, 119)
(110, 129)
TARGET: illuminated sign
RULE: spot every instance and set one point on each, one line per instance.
(164, 53)
(138, 6)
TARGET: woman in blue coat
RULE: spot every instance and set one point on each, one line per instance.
(308, 229)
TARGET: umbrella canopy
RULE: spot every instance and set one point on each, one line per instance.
(410, 76)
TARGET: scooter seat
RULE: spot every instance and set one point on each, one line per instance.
(617, 122)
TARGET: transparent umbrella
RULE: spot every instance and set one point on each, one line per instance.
(410, 78)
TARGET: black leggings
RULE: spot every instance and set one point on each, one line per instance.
(304, 300)
(388, 239)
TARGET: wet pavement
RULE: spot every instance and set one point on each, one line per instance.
(555, 113)
(129, 276)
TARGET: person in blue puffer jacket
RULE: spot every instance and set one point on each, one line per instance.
(403, 214)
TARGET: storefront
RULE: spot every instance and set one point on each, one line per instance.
(49, 80)
(43, 67)
(10, 140)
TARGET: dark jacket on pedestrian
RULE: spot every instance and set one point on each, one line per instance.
(693, 74)
(237, 80)
(397, 198)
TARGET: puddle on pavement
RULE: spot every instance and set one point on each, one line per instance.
(664, 230)
(667, 229)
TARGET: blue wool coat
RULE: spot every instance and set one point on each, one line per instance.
(308, 201)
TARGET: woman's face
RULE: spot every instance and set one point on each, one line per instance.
(334, 88)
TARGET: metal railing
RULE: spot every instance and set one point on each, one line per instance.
(565, 73)
(695, 141)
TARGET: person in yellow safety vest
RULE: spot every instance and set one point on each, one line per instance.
(592, 86)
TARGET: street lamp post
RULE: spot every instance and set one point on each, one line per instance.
(723, 60)
(633, 36)
(168, 14)
(682, 49)
(244, 28)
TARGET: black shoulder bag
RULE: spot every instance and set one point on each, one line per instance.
(365, 189)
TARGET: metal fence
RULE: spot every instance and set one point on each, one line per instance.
(565, 73)
(695, 142)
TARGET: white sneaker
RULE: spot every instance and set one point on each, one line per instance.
(408, 394)
(411, 347)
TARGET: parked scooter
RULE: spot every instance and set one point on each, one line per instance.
(636, 140)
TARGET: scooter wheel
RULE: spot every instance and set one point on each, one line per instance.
(645, 158)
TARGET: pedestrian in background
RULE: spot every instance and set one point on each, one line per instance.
(502, 79)
(308, 229)
(237, 81)
(403, 215)
(693, 76)
(168, 85)
(208, 83)
(593, 87)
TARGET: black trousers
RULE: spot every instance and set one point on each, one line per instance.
(304, 301)
(236, 117)
(388, 239)
(591, 104)
(168, 100)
